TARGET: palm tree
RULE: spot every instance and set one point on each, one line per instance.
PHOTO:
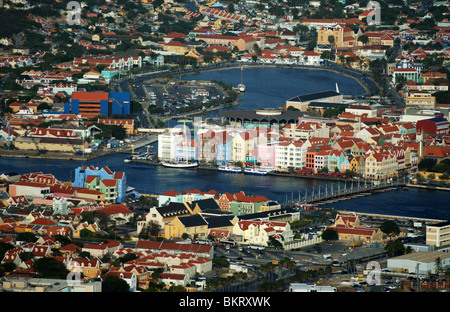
(438, 264)
(331, 40)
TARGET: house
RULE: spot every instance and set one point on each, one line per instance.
(343, 36)
(174, 279)
(290, 155)
(243, 204)
(85, 226)
(90, 268)
(206, 251)
(29, 189)
(100, 250)
(119, 213)
(260, 232)
(311, 58)
(129, 277)
(335, 159)
(421, 100)
(127, 124)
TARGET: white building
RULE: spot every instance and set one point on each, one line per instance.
(421, 262)
(290, 154)
(259, 232)
(167, 145)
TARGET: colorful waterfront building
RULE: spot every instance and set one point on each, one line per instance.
(112, 184)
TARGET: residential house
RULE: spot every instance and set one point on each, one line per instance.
(90, 268)
(102, 249)
(260, 232)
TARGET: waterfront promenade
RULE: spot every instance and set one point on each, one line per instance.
(32, 154)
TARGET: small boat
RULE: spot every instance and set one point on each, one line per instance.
(241, 86)
(182, 165)
(128, 159)
(230, 168)
(252, 170)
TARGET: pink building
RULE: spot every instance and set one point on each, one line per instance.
(266, 155)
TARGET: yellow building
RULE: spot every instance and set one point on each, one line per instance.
(194, 226)
(87, 268)
(438, 234)
(242, 144)
(357, 165)
(176, 47)
(380, 165)
(420, 100)
(344, 36)
(350, 229)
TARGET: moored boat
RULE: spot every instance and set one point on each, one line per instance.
(230, 168)
(179, 165)
(252, 170)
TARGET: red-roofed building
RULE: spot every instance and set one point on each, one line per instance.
(119, 212)
(350, 229)
(259, 232)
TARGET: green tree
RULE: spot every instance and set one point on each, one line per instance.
(26, 237)
(330, 234)
(50, 268)
(390, 228)
(395, 248)
(364, 39)
(331, 40)
(221, 262)
(115, 284)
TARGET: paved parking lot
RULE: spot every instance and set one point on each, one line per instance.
(179, 96)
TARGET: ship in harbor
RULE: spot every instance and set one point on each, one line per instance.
(181, 165)
(230, 168)
(256, 170)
